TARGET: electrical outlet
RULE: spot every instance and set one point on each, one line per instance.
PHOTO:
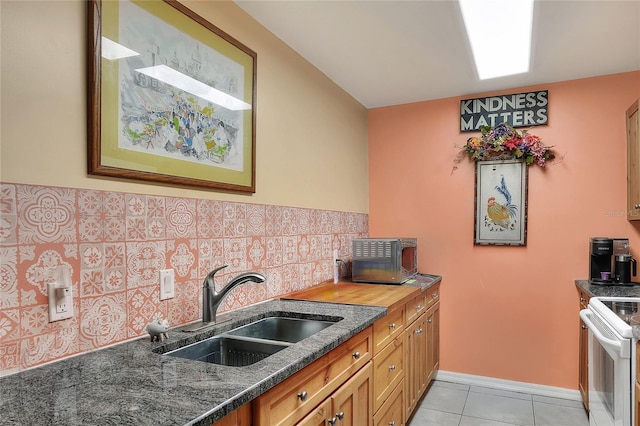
(60, 294)
(167, 284)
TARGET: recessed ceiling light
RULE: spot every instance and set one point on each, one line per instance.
(499, 32)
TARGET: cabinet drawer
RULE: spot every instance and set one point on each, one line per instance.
(387, 328)
(296, 396)
(432, 295)
(391, 412)
(415, 308)
(388, 370)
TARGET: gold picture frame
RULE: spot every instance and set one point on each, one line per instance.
(171, 97)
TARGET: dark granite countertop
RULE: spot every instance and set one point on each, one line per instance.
(608, 290)
(129, 384)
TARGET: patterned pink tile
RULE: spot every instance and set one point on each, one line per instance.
(273, 221)
(143, 262)
(8, 215)
(103, 320)
(181, 218)
(115, 243)
(182, 256)
(256, 220)
(46, 214)
(9, 297)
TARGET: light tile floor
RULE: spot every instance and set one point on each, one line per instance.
(455, 404)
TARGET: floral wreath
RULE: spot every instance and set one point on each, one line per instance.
(503, 142)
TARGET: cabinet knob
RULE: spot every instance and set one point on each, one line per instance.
(419, 331)
(303, 395)
(434, 295)
(392, 423)
(582, 300)
(429, 320)
(332, 421)
(637, 206)
(392, 367)
(418, 307)
(340, 415)
(392, 325)
(584, 327)
(356, 355)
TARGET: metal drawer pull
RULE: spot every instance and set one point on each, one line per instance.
(303, 395)
(419, 331)
(356, 355)
(392, 367)
(429, 320)
(393, 423)
(434, 295)
(392, 325)
(340, 415)
(332, 421)
(418, 307)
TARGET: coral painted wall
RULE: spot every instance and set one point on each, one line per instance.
(507, 312)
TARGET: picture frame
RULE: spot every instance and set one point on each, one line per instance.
(171, 97)
(501, 203)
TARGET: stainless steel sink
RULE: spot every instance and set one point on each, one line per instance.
(228, 351)
(253, 342)
(282, 329)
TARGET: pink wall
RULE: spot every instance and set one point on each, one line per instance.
(507, 312)
(115, 243)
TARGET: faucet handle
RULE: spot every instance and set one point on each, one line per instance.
(209, 279)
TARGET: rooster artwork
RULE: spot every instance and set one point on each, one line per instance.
(503, 216)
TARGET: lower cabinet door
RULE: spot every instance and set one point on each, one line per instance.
(392, 411)
(321, 416)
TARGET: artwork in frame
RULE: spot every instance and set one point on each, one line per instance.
(172, 98)
(501, 203)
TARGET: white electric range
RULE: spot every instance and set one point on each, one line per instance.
(612, 367)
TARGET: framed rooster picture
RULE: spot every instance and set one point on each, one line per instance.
(501, 203)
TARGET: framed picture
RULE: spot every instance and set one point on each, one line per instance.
(172, 98)
(501, 203)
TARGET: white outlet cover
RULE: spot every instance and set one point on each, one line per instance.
(167, 284)
(60, 302)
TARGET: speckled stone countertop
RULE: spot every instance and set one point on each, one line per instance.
(130, 384)
(608, 290)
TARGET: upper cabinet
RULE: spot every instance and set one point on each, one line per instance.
(633, 162)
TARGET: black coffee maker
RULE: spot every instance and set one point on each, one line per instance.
(600, 253)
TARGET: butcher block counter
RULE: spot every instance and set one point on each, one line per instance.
(388, 296)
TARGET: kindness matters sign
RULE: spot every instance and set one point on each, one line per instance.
(518, 110)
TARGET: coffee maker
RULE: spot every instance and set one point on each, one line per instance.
(600, 254)
(611, 262)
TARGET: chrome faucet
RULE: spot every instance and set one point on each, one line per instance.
(211, 298)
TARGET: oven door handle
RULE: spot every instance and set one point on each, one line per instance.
(614, 344)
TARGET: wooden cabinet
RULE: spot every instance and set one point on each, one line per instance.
(350, 405)
(392, 411)
(633, 161)
(433, 341)
(299, 394)
(583, 354)
(415, 378)
(388, 370)
(240, 417)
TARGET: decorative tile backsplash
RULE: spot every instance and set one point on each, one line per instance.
(115, 244)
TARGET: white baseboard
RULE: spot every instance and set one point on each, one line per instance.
(509, 385)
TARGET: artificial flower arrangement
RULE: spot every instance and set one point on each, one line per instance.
(503, 142)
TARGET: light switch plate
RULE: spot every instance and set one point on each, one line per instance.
(167, 284)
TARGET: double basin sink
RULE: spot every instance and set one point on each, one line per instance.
(252, 342)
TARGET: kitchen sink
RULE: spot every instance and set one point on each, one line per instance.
(253, 342)
(229, 351)
(282, 329)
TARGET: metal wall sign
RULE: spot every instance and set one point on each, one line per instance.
(518, 110)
